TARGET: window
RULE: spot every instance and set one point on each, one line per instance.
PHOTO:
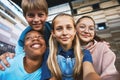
(96, 6)
(101, 26)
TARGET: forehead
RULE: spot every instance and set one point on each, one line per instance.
(63, 20)
(87, 21)
(63, 16)
(35, 11)
(33, 33)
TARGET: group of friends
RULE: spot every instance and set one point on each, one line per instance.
(62, 50)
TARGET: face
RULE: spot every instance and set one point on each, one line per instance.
(34, 44)
(64, 30)
(36, 19)
(86, 29)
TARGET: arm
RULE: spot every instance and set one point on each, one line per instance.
(18, 49)
(109, 71)
(89, 72)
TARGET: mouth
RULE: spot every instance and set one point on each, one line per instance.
(65, 39)
(86, 36)
(37, 25)
(36, 45)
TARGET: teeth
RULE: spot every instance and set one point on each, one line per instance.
(36, 46)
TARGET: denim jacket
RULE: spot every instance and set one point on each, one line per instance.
(66, 63)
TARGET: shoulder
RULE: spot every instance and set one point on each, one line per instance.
(22, 36)
(46, 74)
(46, 54)
(48, 25)
(13, 63)
(16, 59)
(103, 48)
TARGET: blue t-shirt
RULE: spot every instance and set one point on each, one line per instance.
(16, 70)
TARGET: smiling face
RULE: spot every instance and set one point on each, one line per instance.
(36, 19)
(86, 29)
(64, 30)
(34, 45)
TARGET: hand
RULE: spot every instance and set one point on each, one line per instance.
(107, 43)
(87, 56)
(4, 60)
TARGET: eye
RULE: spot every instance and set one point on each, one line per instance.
(31, 15)
(69, 27)
(28, 38)
(81, 26)
(92, 28)
(41, 37)
(58, 28)
(40, 14)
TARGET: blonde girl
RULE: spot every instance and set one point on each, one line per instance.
(65, 56)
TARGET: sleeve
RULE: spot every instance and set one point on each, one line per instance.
(87, 56)
(47, 32)
(19, 46)
(22, 36)
(18, 49)
(2, 74)
(109, 71)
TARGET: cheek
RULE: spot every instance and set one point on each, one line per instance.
(43, 19)
(79, 32)
(44, 43)
(26, 44)
(26, 49)
(29, 21)
(57, 34)
(93, 34)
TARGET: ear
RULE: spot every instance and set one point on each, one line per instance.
(53, 34)
(75, 32)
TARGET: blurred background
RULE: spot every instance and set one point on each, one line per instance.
(106, 14)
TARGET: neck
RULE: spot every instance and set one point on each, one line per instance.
(66, 47)
(32, 65)
(86, 45)
(83, 43)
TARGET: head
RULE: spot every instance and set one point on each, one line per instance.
(34, 44)
(63, 33)
(85, 27)
(35, 12)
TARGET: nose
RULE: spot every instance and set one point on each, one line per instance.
(86, 30)
(64, 31)
(35, 38)
(36, 18)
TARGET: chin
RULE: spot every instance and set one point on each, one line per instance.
(37, 28)
(85, 40)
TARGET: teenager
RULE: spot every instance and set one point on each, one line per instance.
(103, 57)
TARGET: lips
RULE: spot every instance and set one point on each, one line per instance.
(36, 45)
(64, 39)
(85, 35)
